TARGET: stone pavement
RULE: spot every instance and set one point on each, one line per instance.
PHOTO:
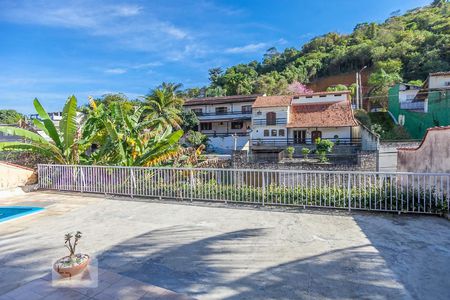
(111, 286)
(228, 252)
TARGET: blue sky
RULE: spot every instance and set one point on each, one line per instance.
(51, 49)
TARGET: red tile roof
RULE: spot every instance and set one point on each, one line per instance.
(272, 101)
(220, 100)
(322, 93)
(440, 73)
(337, 114)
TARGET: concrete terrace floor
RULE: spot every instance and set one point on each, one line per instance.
(214, 252)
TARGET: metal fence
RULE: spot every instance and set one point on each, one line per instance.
(397, 192)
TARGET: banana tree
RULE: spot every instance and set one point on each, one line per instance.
(128, 140)
(62, 145)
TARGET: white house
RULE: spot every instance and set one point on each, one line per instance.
(439, 80)
(225, 120)
(279, 121)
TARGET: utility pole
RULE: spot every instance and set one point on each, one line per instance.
(359, 86)
(357, 91)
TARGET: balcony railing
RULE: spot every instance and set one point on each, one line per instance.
(412, 105)
(263, 122)
(225, 134)
(223, 113)
(281, 142)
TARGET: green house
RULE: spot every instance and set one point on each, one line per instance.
(419, 108)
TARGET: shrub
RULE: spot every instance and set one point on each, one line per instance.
(362, 116)
(305, 152)
(196, 139)
(323, 147)
(290, 151)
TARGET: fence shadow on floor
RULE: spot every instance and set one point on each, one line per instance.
(177, 259)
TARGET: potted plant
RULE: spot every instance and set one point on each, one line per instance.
(74, 263)
(290, 151)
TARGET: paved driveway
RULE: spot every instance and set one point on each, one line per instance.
(213, 252)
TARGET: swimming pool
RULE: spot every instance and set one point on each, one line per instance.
(12, 212)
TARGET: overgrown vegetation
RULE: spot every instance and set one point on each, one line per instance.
(114, 131)
(9, 116)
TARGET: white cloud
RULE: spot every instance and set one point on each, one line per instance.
(250, 48)
(147, 65)
(115, 71)
(126, 24)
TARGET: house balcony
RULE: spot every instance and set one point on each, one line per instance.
(263, 122)
(225, 115)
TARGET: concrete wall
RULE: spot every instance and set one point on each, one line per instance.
(12, 176)
(432, 156)
(387, 154)
(364, 161)
(225, 145)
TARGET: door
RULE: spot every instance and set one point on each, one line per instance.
(315, 135)
(299, 136)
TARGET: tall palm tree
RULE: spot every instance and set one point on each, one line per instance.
(62, 145)
(164, 105)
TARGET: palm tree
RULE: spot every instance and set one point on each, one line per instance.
(164, 105)
(62, 146)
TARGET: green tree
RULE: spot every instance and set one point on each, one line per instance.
(9, 116)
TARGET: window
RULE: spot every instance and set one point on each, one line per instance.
(281, 132)
(337, 95)
(447, 83)
(246, 109)
(322, 96)
(221, 110)
(205, 126)
(237, 125)
(274, 132)
(299, 136)
(308, 96)
(271, 118)
(197, 111)
(266, 132)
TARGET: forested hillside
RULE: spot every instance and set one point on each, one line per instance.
(403, 48)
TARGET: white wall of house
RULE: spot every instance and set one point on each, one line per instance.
(308, 99)
(260, 114)
(407, 95)
(327, 133)
(439, 82)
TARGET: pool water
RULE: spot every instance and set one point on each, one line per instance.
(12, 212)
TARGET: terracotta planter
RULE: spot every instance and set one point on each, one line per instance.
(71, 270)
